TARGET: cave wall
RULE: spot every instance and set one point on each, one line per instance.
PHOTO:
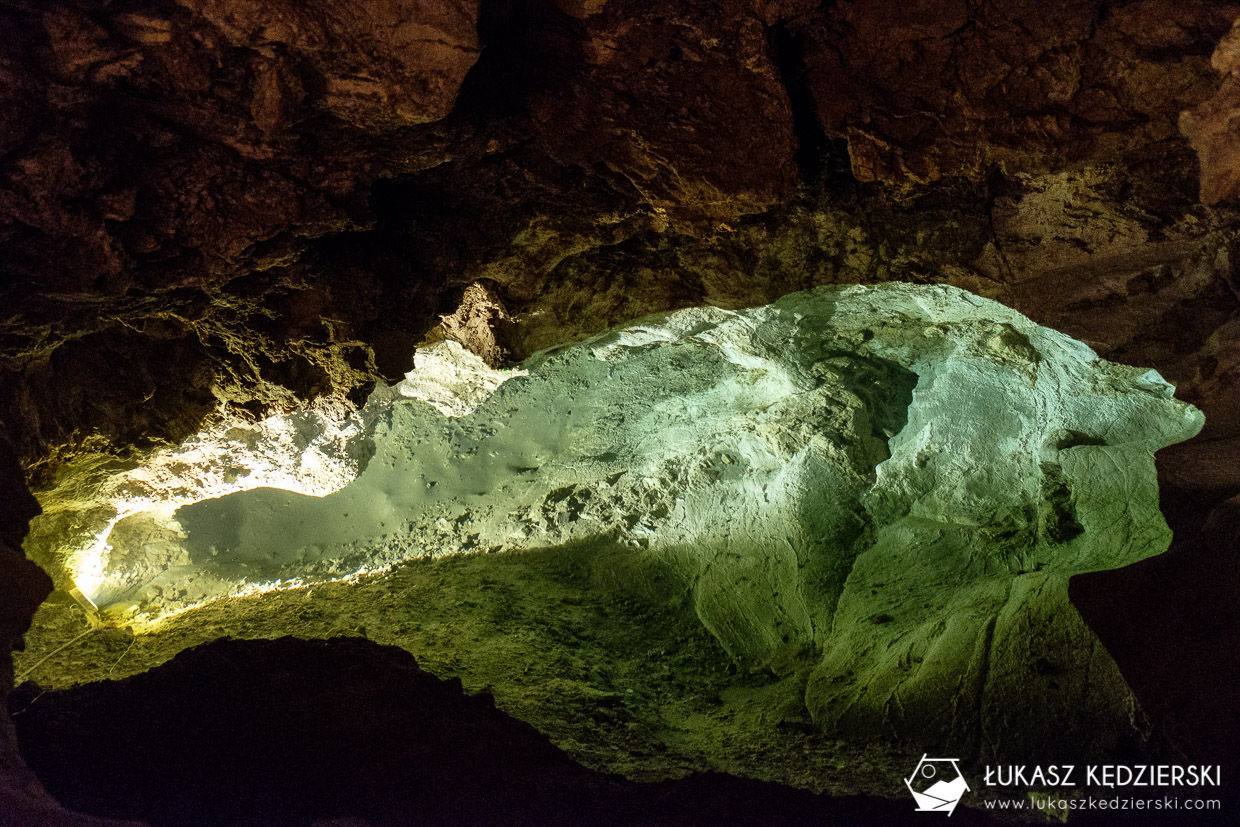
(252, 204)
(219, 208)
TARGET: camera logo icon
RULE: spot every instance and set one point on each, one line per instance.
(937, 784)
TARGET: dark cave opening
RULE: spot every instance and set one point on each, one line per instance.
(813, 146)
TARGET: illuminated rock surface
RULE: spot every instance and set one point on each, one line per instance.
(210, 218)
(882, 489)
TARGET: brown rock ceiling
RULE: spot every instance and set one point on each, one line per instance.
(216, 207)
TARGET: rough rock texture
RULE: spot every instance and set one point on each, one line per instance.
(176, 164)
(928, 89)
(154, 156)
(210, 214)
(1210, 129)
(309, 451)
(889, 483)
(696, 162)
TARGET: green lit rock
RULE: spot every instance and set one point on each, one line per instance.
(881, 489)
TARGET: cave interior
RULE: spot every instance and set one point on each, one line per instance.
(614, 412)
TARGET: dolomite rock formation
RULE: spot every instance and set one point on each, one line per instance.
(890, 485)
(1210, 127)
(194, 187)
(925, 89)
(245, 216)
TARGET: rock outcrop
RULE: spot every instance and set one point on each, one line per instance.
(194, 187)
(927, 90)
(152, 157)
(892, 484)
(212, 211)
(1210, 127)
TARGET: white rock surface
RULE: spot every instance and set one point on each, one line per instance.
(886, 485)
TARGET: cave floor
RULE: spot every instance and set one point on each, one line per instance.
(593, 644)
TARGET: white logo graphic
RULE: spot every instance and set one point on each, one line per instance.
(937, 785)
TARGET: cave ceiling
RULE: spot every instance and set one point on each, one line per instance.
(252, 203)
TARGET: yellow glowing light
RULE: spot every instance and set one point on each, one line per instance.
(89, 566)
(311, 452)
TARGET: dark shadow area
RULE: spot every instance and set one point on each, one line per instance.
(529, 47)
(788, 54)
(1172, 622)
(292, 732)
